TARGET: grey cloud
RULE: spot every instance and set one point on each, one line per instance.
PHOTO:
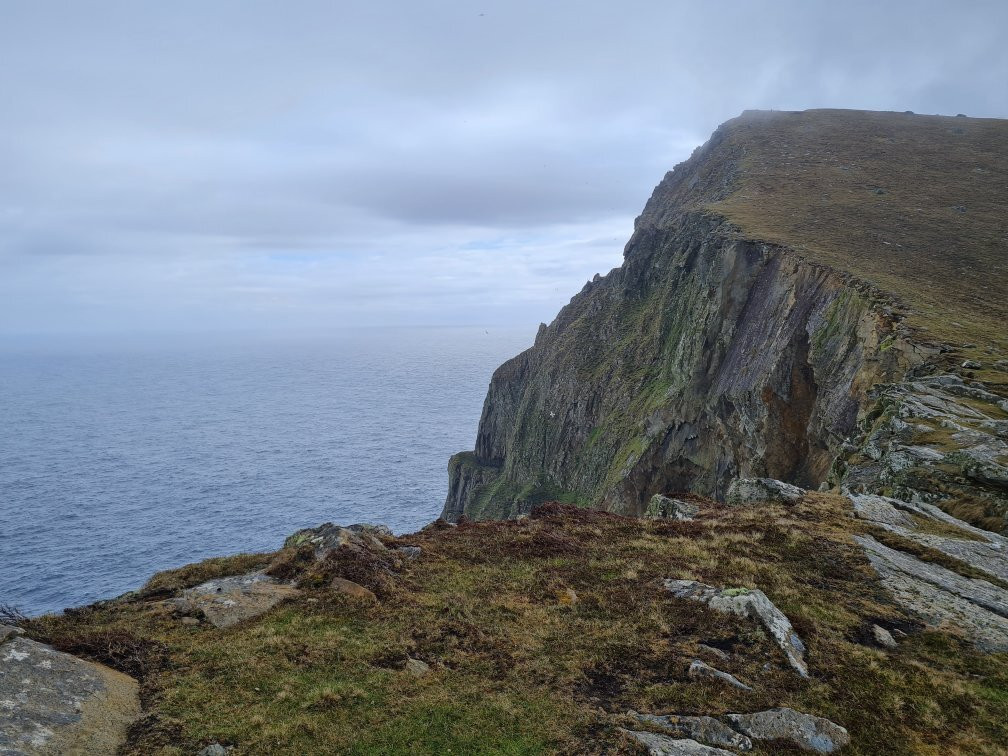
(241, 162)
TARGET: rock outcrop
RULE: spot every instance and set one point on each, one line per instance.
(751, 603)
(55, 703)
(706, 356)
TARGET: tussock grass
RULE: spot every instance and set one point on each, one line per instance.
(518, 666)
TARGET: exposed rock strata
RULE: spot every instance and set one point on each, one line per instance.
(704, 357)
(943, 598)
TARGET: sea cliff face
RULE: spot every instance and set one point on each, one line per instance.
(705, 356)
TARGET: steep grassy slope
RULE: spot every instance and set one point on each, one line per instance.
(918, 205)
(540, 635)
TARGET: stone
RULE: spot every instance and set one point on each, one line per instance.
(663, 745)
(410, 552)
(941, 597)
(567, 597)
(707, 730)
(416, 667)
(53, 703)
(215, 749)
(665, 507)
(972, 365)
(808, 732)
(713, 651)
(751, 603)
(1001, 365)
(743, 491)
(356, 590)
(699, 670)
(190, 621)
(883, 637)
(9, 631)
(230, 600)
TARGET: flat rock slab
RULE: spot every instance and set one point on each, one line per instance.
(707, 730)
(978, 548)
(231, 600)
(751, 603)
(942, 597)
(663, 745)
(808, 732)
(55, 703)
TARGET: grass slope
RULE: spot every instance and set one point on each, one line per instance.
(521, 665)
(915, 204)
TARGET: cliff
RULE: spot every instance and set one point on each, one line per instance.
(792, 264)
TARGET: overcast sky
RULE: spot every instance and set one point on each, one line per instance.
(278, 165)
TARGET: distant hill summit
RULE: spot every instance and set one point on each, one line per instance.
(793, 264)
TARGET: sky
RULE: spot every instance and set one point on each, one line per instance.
(217, 166)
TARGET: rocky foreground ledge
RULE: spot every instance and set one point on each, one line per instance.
(767, 625)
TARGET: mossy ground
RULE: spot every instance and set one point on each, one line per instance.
(517, 667)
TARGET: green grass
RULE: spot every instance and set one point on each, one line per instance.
(517, 667)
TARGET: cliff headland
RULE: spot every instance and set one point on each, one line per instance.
(747, 493)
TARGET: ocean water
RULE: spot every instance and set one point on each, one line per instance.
(118, 462)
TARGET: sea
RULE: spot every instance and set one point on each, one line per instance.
(120, 460)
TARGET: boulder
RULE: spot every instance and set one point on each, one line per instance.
(416, 667)
(699, 670)
(808, 732)
(665, 507)
(751, 603)
(51, 702)
(883, 637)
(743, 491)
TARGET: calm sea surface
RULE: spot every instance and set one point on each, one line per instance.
(116, 463)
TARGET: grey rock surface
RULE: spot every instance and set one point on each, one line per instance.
(699, 670)
(743, 491)
(751, 603)
(231, 600)
(663, 745)
(808, 732)
(883, 637)
(707, 730)
(666, 507)
(941, 597)
(977, 547)
(55, 703)
(328, 536)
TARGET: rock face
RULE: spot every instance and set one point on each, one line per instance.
(54, 703)
(704, 357)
